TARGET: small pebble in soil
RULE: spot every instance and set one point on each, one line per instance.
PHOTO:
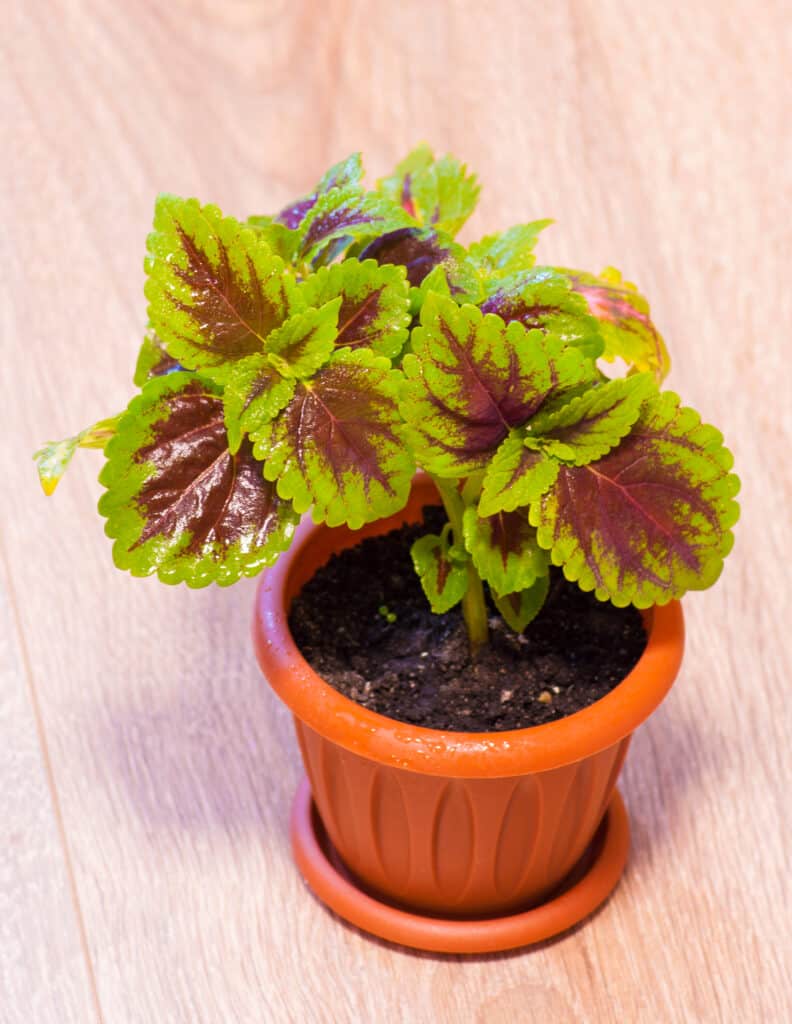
(414, 666)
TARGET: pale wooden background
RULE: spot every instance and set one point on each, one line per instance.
(146, 772)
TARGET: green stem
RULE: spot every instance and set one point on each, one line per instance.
(474, 606)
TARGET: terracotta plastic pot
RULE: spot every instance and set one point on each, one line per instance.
(448, 823)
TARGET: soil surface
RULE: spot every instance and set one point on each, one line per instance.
(364, 624)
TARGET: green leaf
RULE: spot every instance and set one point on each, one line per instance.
(504, 549)
(443, 574)
(215, 289)
(508, 252)
(281, 240)
(347, 214)
(520, 609)
(436, 193)
(53, 458)
(178, 502)
(374, 302)
(153, 360)
(471, 379)
(588, 426)
(261, 385)
(652, 518)
(543, 298)
(515, 476)
(344, 173)
(338, 445)
(625, 324)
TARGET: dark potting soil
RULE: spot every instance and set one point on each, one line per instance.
(363, 623)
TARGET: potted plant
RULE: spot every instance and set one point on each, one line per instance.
(313, 362)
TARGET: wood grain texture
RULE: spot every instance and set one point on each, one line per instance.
(658, 137)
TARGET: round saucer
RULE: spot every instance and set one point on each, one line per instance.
(589, 885)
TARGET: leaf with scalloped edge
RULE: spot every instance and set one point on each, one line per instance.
(374, 301)
(53, 458)
(515, 476)
(504, 549)
(432, 261)
(543, 298)
(441, 570)
(346, 215)
(588, 426)
(261, 385)
(346, 172)
(435, 192)
(521, 608)
(509, 251)
(338, 447)
(471, 378)
(153, 360)
(623, 314)
(177, 501)
(215, 289)
(283, 241)
(652, 518)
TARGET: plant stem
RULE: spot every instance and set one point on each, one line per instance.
(474, 606)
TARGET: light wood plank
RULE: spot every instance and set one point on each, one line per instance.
(659, 143)
(44, 974)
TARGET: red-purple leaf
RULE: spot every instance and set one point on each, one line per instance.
(337, 447)
(471, 379)
(178, 502)
(347, 214)
(346, 172)
(374, 301)
(215, 288)
(543, 298)
(504, 549)
(652, 518)
(625, 324)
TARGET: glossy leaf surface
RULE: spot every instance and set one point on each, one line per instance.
(337, 447)
(177, 501)
(649, 520)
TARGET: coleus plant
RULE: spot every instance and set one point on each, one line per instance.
(313, 360)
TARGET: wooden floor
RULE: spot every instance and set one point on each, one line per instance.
(145, 770)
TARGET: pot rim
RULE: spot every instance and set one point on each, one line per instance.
(433, 751)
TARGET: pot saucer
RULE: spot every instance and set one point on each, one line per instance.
(588, 886)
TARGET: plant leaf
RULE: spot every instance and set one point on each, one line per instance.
(215, 289)
(504, 549)
(543, 298)
(444, 578)
(588, 426)
(625, 324)
(338, 445)
(344, 173)
(521, 608)
(53, 458)
(508, 252)
(436, 193)
(374, 302)
(178, 502)
(261, 385)
(347, 214)
(153, 360)
(651, 519)
(471, 379)
(283, 241)
(515, 476)
(428, 256)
